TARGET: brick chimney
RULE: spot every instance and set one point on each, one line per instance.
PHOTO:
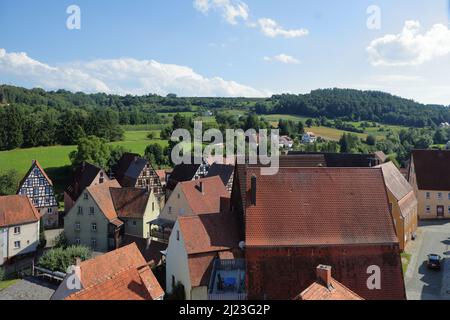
(324, 275)
(201, 187)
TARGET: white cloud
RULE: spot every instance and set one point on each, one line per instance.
(231, 10)
(120, 76)
(409, 47)
(272, 29)
(283, 58)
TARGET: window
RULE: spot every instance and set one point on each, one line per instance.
(449, 196)
(428, 195)
(49, 210)
(428, 209)
(178, 235)
(181, 211)
(78, 241)
(91, 210)
(439, 195)
(86, 196)
(178, 196)
(153, 206)
(173, 281)
(16, 230)
(134, 223)
(80, 210)
(36, 202)
(101, 180)
(36, 191)
(448, 209)
(170, 210)
(48, 190)
(94, 227)
(41, 181)
(77, 226)
(16, 244)
(94, 243)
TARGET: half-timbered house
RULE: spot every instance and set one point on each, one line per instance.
(39, 188)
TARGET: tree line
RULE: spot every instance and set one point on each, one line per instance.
(356, 105)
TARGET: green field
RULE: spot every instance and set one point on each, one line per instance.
(332, 133)
(58, 156)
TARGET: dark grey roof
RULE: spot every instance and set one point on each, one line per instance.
(83, 177)
(225, 172)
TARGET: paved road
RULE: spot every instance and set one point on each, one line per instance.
(422, 283)
(28, 289)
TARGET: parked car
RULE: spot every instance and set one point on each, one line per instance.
(434, 262)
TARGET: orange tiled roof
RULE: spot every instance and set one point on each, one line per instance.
(121, 274)
(395, 181)
(209, 233)
(337, 291)
(16, 210)
(200, 267)
(102, 196)
(207, 201)
(318, 206)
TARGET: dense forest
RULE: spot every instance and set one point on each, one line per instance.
(35, 117)
(355, 105)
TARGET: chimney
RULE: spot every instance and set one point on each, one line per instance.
(201, 187)
(253, 190)
(324, 275)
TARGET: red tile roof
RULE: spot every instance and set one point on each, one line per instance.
(209, 233)
(200, 268)
(121, 274)
(332, 291)
(17, 210)
(102, 196)
(207, 200)
(318, 206)
(205, 238)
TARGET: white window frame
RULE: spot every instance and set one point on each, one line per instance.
(77, 226)
(428, 209)
(15, 244)
(18, 232)
(94, 227)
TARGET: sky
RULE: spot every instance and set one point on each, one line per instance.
(252, 48)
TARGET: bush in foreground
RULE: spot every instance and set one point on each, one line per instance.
(59, 259)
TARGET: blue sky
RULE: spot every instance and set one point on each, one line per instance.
(228, 47)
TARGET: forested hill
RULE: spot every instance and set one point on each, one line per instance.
(346, 104)
(358, 105)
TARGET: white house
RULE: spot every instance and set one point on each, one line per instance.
(19, 227)
(309, 137)
(197, 245)
(286, 142)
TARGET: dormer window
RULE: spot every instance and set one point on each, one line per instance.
(86, 196)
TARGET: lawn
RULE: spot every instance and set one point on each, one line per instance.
(8, 283)
(58, 156)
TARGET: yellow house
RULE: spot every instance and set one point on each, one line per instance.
(402, 202)
(429, 174)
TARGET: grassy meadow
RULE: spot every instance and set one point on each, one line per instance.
(58, 156)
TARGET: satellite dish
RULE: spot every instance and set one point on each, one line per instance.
(242, 245)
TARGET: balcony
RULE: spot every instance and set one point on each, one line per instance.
(227, 280)
(160, 230)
